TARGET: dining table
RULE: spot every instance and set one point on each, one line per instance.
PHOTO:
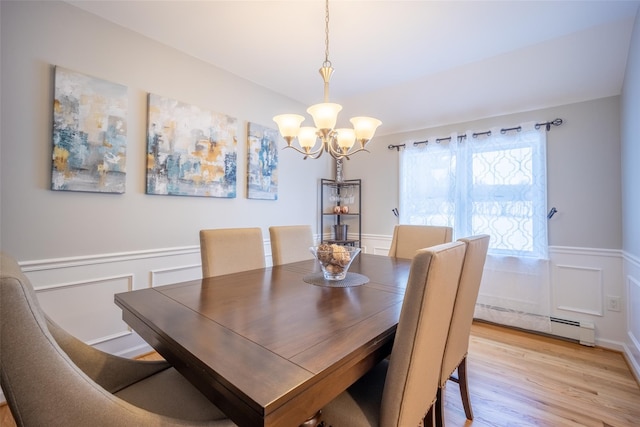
(272, 346)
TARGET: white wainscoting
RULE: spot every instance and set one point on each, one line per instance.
(582, 291)
(376, 244)
(167, 276)
(78, 292)
(632, 306)
(61, 303)
(582, 280)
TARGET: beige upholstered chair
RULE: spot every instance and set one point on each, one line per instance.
(290, 243)
(52, 379)
(407, 239)
(455, 353)
(231, 250)
(400, 390)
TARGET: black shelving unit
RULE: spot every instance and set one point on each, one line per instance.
(340, 207)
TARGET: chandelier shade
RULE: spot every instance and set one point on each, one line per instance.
(365, 128)
(346, 138)
(325, 115)
(289, 125)
(307, 137)
(337, 142)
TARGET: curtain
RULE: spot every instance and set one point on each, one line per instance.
(489, 183)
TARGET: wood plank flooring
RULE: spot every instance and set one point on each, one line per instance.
(521, 379)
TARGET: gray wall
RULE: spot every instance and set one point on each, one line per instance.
(631, 194)
(631, 147)
(37, 223)
(583, 172)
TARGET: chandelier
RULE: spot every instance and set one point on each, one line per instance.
(337, 142)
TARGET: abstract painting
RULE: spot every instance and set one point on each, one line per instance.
(89, 134)
(262, 168)
(190, 151)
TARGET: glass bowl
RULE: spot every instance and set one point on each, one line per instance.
(334, 259)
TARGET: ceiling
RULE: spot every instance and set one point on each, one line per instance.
(411, 64)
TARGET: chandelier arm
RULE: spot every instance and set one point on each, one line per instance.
(311, 154)
(330, 144)
(320, 152)
(337, 154)
(331, 148)
(356, 151)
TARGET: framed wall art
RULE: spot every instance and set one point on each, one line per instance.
(89, 133)
(190, 151)
(262, 162)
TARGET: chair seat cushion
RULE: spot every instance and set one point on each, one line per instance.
(359, 405)
(169, 393)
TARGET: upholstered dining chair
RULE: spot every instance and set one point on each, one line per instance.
(407, 239)
(455, 352)
(52, 379)
(400, 390)
(290, 243)
(231, 250)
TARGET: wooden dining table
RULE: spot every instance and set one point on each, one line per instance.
(268, 346)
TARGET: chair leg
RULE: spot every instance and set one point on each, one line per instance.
(429, 419)
(464, 388)
(438, 407)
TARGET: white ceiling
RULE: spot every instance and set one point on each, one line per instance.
(412, 64)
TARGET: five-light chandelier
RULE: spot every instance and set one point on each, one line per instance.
(337, 142)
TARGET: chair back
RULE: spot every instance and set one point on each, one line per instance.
(231, 250)
(407, 239)
(42, 385)
(290, 243)
(464, 307)
(414, 368)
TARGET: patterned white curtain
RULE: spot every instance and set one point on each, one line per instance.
(428, 183)
(493, 184)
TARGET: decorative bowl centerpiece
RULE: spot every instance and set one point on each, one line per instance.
(334, 259)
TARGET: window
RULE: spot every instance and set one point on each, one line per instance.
(493, 184)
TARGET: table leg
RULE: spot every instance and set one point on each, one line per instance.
(314, 421)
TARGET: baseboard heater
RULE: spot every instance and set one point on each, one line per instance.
(584, 332)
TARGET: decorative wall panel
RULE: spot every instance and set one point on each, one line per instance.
(581, 290)
(71, 305)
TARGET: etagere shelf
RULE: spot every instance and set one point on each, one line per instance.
(340, 207)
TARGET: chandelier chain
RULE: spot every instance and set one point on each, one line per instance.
(326, 63)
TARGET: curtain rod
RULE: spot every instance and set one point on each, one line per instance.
(547, 125)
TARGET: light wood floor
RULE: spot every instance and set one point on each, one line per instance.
(521, 379)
